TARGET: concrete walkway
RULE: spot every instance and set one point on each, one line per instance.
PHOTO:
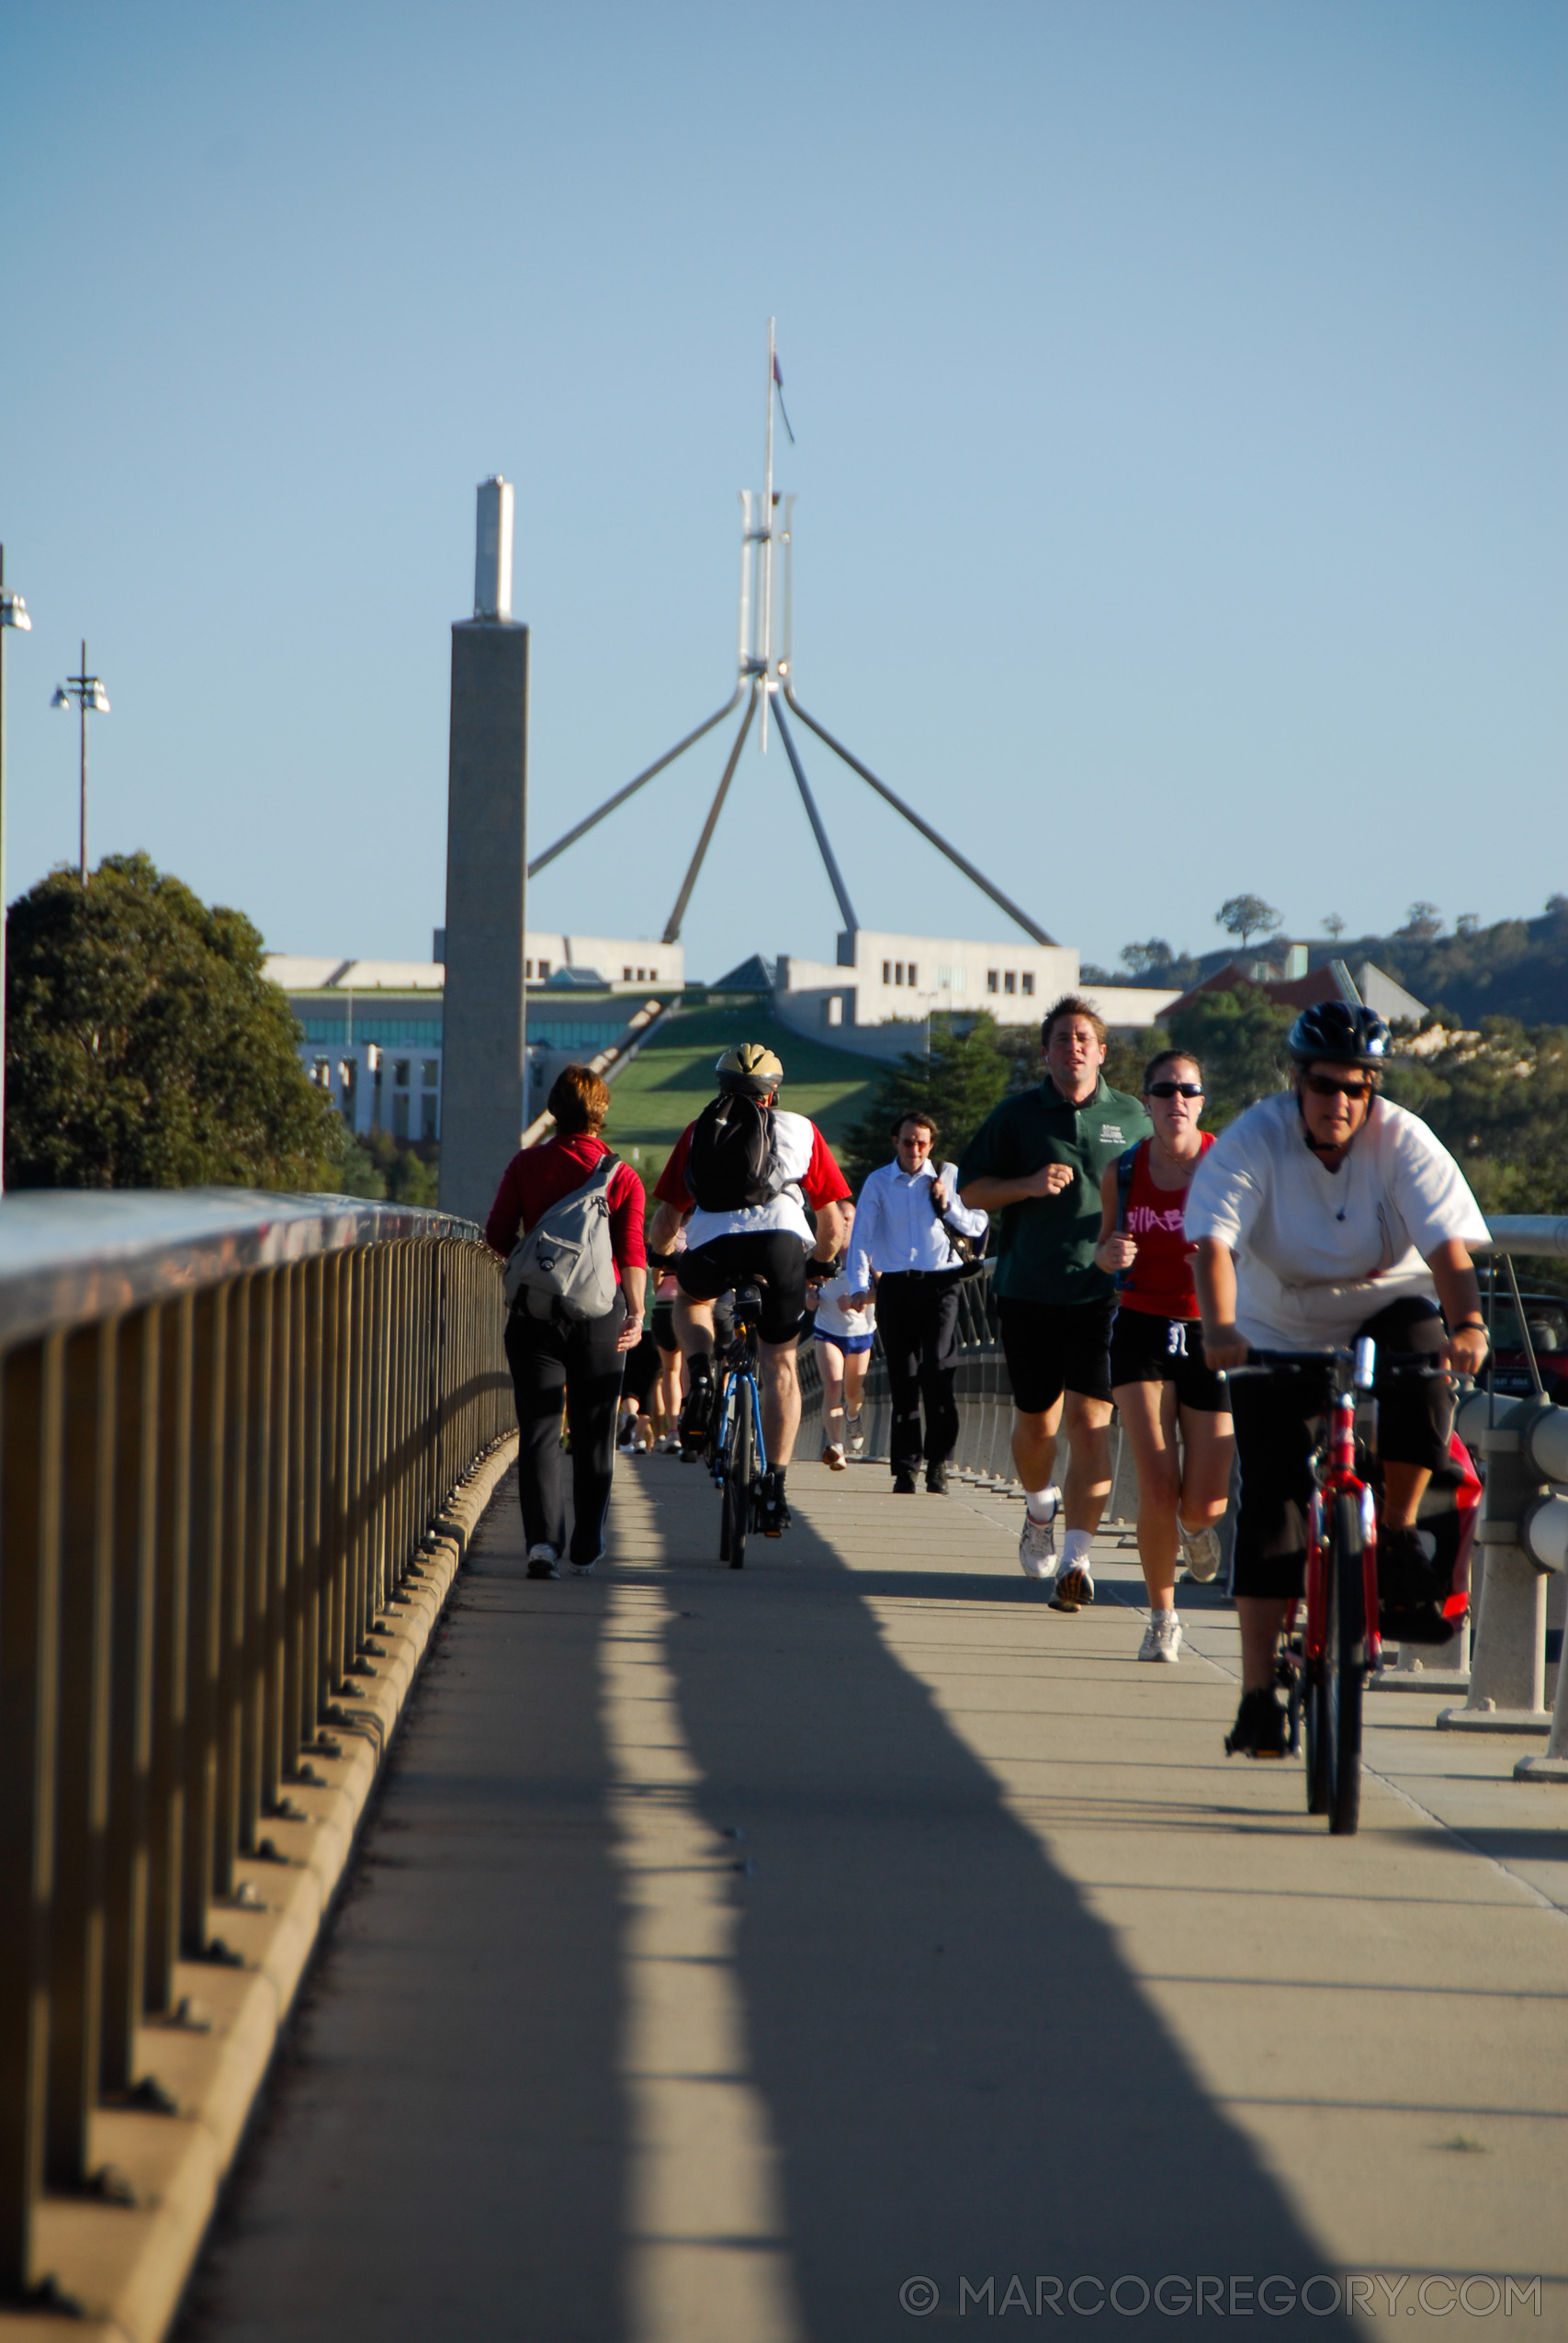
(731, 1952)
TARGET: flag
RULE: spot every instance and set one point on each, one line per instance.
(778, 378)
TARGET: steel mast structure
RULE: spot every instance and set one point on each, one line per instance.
(765, 681)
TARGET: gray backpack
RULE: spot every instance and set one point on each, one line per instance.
(565, 1266)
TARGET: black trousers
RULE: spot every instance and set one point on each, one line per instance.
(583, 1363)
(918, 1320)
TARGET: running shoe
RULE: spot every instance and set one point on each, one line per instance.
(1162, 1636)
(581, 1570)
(1074, 1588)
(833, 1457)
(855, 1434)
(1037, 1539)
(1259, 1730)
(626, 1437)
(1201, 1552)
(775, 1512)
(542, 1562)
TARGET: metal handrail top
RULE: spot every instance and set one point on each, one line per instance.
(70, 1256)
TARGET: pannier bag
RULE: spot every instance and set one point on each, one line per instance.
(732, 1161)
(1425, 1602)
(565, 1266)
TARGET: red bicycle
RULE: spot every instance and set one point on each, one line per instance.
(1330, 1643)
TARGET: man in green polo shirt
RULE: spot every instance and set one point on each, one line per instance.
(1034, 1165)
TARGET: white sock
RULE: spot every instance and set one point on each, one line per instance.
(1041, 1503)
(1075, 1548)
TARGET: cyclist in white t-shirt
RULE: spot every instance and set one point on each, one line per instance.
(1324, 1214)
(740, 1179)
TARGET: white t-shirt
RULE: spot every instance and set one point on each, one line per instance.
(1318, 1252)
(833, 1319)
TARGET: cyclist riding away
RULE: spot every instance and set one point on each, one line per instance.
(1324, 1214)
(740, 1179)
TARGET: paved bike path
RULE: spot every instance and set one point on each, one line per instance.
(732, 1950)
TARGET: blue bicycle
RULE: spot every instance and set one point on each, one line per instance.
(737, 1454)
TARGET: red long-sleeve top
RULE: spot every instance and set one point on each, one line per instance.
(537, 1177)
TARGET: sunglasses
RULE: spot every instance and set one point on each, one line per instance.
(1174, 1089)
(1325, 1086)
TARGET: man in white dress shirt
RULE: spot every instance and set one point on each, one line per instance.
(905, 1224)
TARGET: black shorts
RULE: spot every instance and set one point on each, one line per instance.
(1148, 1349)
(1278, 1423)
(773, 1255)
(1051, 1347)
(664, 1326)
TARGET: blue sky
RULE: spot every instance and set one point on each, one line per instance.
(1179, 387)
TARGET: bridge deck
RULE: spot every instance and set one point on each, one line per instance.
(730, 1950)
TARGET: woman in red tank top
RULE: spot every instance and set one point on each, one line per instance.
(1159, 1379)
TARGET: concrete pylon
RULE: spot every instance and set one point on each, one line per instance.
(484, 1031)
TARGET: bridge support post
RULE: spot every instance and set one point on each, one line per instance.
(484, 1022)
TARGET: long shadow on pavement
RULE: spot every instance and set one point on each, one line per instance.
(439, 2158)
(966, 2081)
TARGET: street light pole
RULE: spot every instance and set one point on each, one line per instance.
(83, 692)
(13, 613)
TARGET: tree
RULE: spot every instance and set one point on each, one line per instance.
(1422, 923)
(1139, 958)
(1334, 926)
(146, 1049)
(957, 1085)
(1246, 915)
(1239, 1040)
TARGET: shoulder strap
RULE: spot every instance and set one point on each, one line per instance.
(1126, 1163)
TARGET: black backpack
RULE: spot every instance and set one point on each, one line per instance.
(732, 1161)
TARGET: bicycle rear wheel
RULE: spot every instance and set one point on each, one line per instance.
(1343, 1666)
(737, 1480)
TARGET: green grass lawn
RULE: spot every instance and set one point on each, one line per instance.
(672, 1079)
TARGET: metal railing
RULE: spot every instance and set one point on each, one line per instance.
(226, 1423)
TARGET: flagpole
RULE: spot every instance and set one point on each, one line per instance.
(767, 611)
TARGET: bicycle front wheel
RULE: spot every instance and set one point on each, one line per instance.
(737, 1480)
(1344, 1665)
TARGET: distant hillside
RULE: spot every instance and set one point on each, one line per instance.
(672, 1079)
(1517, 968)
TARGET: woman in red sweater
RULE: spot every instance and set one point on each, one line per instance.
(583, 1361)
(1160, 1378)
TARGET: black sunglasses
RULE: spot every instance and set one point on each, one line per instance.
(1174, 1089)
(1325, 1086)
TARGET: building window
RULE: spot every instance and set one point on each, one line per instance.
(401, 1074)
(528, 968)
(401, 1116)
(1009, 981)
(992, 980)
(897, 971)
(913, 972)
(429, 1072)
(322, 1074)
(833, 1008)
(1029, 980)
(626, 976)
(427, 1117)
(888, 973)
(544, 967)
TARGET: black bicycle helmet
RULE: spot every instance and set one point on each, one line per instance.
(1338, 1033)
(750, 1066)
